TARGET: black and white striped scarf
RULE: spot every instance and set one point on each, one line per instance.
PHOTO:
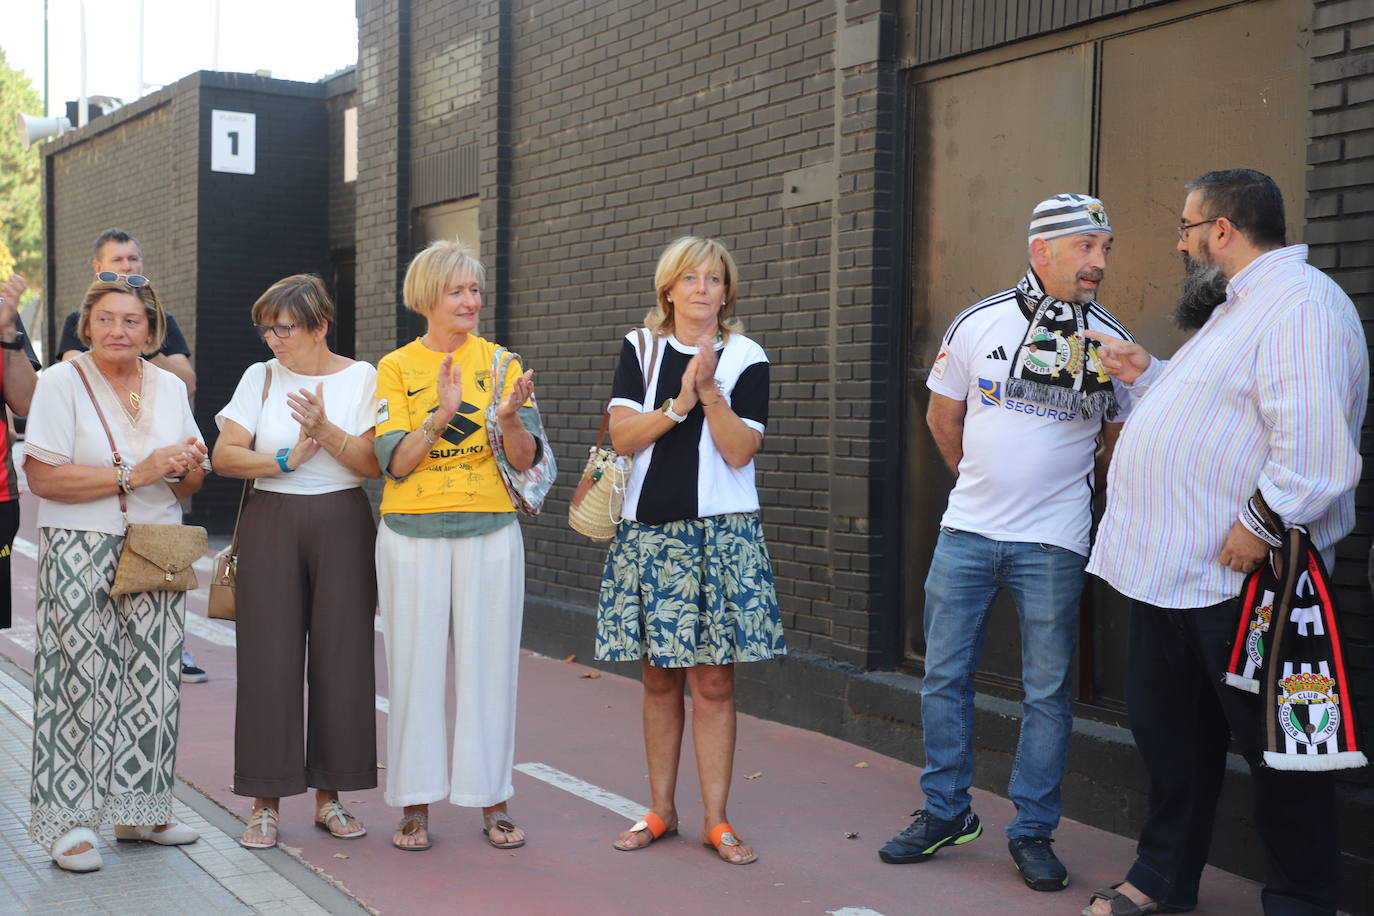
(1056, 365)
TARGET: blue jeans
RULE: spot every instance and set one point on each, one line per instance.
(1046, 581)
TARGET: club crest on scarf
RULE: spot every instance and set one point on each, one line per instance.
(1288, 651)
(1055, 364)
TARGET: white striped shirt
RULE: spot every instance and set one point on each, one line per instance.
(1269, 393)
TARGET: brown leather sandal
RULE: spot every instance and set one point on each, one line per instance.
(411, 825)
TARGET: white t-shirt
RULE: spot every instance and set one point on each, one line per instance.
(1027, 470)
(681, 475)
(350, 403)
(64, 428)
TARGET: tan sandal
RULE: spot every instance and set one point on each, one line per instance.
(333, 811)
(724, 835)
(411, 825)
(263, 820)
(657, 827)
(500, 820)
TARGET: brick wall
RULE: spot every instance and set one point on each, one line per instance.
(382, 223)
(340, 94)
(1340, 232)
(118, 172)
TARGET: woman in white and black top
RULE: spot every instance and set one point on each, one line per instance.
(688, 587)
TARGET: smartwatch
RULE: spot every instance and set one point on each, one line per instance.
(667, 410)
(16, 344)
(282, 455)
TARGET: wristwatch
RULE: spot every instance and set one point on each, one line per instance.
(16, 344)
(282, 455)
(667, 410)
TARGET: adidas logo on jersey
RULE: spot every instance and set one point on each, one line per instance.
(999, 353)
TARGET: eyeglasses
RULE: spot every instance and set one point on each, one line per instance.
(134, 280)
(1183, 229)
(281, 330)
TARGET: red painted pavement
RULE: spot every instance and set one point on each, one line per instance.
(797, 814)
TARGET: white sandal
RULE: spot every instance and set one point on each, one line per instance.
(173, 835)
(265, 819)
(81, 861)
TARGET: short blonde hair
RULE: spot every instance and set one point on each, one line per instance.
(303, 296)
(152, 310)
(431, 271)
(679, 257)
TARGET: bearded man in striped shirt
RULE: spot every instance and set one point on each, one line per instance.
(1269, 395)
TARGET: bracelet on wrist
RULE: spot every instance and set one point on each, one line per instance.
(428, 430)
(343, 445)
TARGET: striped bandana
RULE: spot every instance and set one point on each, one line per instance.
(1056, 365)
(1067, 214)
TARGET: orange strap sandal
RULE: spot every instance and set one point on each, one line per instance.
(657, 828)
(724, 835)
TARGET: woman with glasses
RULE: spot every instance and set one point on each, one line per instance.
(450, 562)
(106, 672)
(300, 427)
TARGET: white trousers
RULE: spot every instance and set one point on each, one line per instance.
(470, 591)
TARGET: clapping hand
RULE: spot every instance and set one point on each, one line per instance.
(307, 409)
(449, 385)
(519, 393)
(176, 460)
(11, 291)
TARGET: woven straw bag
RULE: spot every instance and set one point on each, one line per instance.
(596, 503)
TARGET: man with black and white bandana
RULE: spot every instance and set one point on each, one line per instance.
(1019, 406)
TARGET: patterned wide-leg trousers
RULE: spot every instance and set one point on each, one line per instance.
(106, 691)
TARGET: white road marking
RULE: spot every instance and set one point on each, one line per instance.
(632, 810)
(854, 911)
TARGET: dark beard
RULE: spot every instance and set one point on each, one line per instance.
(1204, 288)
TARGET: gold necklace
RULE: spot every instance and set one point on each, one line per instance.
(135, 397)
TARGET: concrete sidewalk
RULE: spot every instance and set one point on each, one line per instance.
(209, 877)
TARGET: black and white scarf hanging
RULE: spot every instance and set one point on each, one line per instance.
(1056, 365)
(1288, 650)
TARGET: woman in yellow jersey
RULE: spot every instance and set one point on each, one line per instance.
(450, 562)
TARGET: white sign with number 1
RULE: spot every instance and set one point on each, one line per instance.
(233, 141)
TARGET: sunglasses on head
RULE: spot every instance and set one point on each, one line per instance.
(109, 276)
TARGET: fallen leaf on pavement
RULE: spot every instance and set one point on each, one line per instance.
(851, 835)
(754, 775)
(339, 855)
(862, 765)
(590, 674)
(569, 658)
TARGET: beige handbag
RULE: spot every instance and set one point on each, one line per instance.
(224, 574)
(155, 558)
(595, 507)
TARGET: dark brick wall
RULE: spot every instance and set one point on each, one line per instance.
(382, 222)
(212, 241)
(254, 230)
(121, 170)
(1340, 233)
(340, 94)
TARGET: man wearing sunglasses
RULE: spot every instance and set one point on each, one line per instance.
(119, 256)
(119, 253)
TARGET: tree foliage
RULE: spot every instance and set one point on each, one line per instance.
(21, 182)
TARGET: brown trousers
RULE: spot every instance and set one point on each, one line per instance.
(307, 578)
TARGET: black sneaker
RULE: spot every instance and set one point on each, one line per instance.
(1038, 864)
(927, 834)
(190, 674)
